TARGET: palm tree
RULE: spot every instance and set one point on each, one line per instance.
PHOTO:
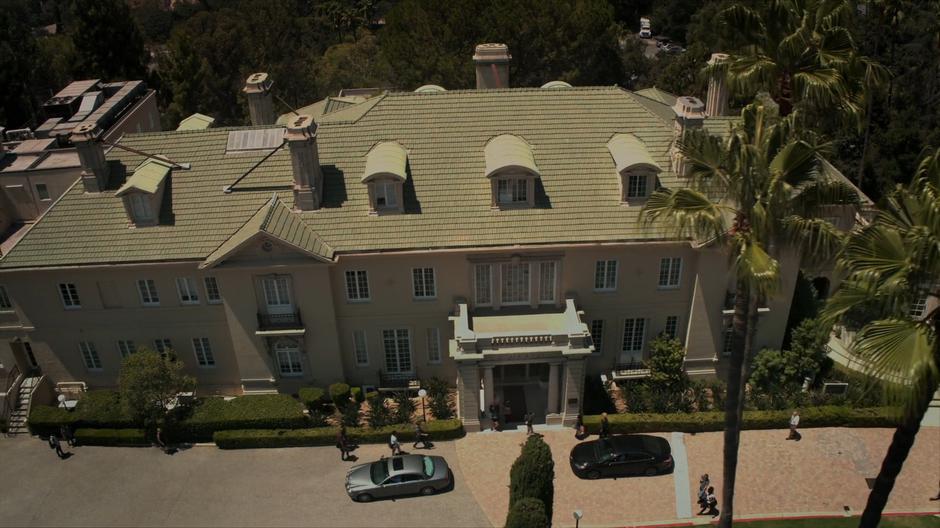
(893, 264)
(800, 52)
(754, 192)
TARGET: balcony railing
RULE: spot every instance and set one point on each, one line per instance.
(286, 321)
(632, 369)
(398, 380)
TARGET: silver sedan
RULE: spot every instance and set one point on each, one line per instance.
(397, 476)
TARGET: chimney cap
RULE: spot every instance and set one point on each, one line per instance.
(688, 107)
(492, 52)
(257, 83)
(718, 58)
(85, 132)
(300, 128)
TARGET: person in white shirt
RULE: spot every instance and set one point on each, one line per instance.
(794, 422)
(393, 443)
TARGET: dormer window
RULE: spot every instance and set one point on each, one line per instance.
(385, 174)
(143, 192)
(510, 166)
(637, 169)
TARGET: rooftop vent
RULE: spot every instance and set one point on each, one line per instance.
(556, 84)
(492, 66)
(430, 88)
(251, 140)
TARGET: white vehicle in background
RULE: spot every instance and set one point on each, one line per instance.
(645, 30)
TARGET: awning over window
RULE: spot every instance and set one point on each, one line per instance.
(630, 153)
(147, 177)
(386, 159)
(509, 152)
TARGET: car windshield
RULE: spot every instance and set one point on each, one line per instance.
(428, 466)
(379, 472)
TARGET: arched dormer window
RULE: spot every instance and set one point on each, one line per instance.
(511, 169)
(385, 174)
(637, 169)
(143, 192)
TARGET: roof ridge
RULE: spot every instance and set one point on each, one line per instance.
(272, 206)
(504, 90)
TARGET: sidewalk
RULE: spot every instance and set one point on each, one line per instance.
(824, 472)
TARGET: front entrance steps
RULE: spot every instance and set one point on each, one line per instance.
(20, 412)
(520, 428)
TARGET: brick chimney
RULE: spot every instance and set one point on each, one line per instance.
(260, 101)
(301, 138)
(86, 138)
(492, 66)
(716, 102)
(690, 114)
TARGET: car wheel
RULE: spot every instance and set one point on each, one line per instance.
(428, 490)
(365, 497)
(593, 475)
(651, 472)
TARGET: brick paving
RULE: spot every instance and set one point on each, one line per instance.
(823, 472)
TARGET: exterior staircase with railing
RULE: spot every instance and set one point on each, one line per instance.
(20, 407)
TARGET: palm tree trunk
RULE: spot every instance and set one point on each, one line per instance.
(734, 402)
(900, 446)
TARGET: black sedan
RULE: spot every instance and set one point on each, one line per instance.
(620, 456)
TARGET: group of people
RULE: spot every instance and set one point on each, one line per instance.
(54, 443)
(706, 497)
(346, 446)
(496, 425)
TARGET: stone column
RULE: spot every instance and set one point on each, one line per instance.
(553, 381)
(716, 101)
(489, 387)
(468, 394)
(574, 388)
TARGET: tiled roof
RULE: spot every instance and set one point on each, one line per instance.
(276, 220)
(147, 177)
(447, 199)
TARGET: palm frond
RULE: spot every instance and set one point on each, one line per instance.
(795, 164)
(755, 266)
(686, 211)
(817, 239)
(820, 87)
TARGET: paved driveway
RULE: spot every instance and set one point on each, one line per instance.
(205, 486)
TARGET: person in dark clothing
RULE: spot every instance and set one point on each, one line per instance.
(580, 432)
(54, 444)
(494, 416)
(712, 502)
(529, 418)
(703, 483)
(421, 437)
(67, 435)
(605, 426)
(342, 443)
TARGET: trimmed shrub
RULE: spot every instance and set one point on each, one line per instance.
(262, 438)
(357, 395)
(405, 409)
(264, 411)
(438, 398)
(350, 415)
(528, 512)
(313, 397)
(339, 395)
(102, 409)
(533, 474)
(112, 437)
(46, 419)
(828, 416)
(379, 413)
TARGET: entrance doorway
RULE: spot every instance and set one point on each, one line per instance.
(523, 388)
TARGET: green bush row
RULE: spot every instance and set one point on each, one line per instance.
(100, 409)
(257, 438)
(313, 397)
(112, 437)
(828, 416)
(265, 411)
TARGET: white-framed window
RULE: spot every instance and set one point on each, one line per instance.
(483, 284)
(69, 294)
(512, 190)
(361, 348)
(186, 287)
(919, 307)
(148, 292)
(213, 295)
(633, 333)
(42, 192)
(276, 294)
(397, 345)
(434, 345)
(597, 334)
(547, 282)
(422, 280)
(89, 355)
(386, 195)
(203, 352)
(672, 326)
(289, 360)
(163, 345)
(357, 285)
(126, 347)
(727, 340)
(514, 282)
(605, 275)
(670, 269)
(636, 185)
(5, 302)
(140, 207)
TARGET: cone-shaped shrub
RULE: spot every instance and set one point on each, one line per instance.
(527, 513)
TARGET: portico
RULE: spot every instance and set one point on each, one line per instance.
(527, 361)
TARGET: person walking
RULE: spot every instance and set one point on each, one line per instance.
(703, 484)
(712, 502)
(54, 444)
(494, 416)
(67, 435)
(421, 437)
(394, 445)
(794, 423)
(342, 443)
(605, 426)
(529, 418)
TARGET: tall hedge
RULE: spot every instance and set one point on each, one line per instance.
(528, 512)
(265, 411)
(533, 474)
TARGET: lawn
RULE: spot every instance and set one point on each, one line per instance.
(930, 521)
